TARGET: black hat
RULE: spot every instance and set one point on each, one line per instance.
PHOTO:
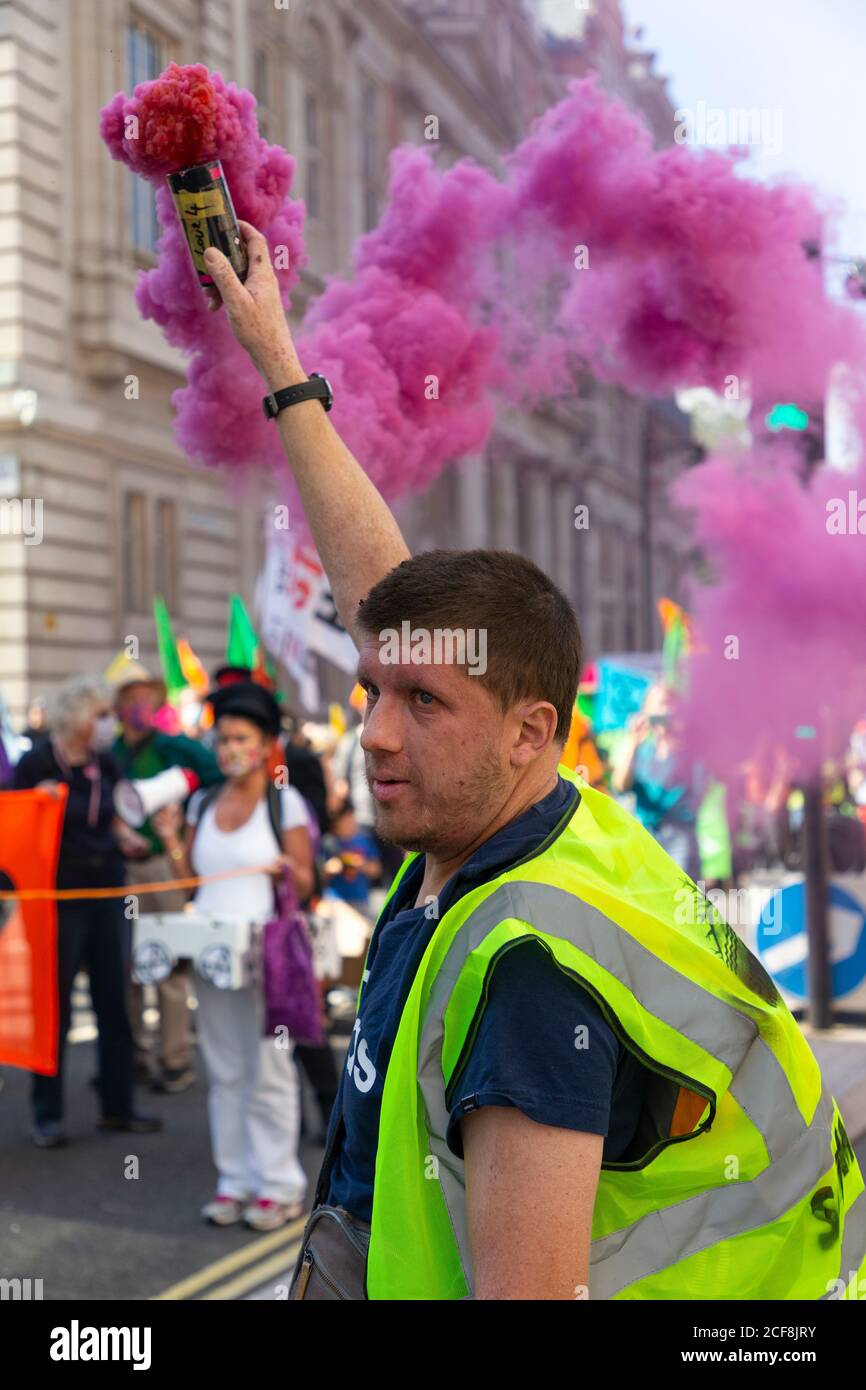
(230, 675)
(247, 700)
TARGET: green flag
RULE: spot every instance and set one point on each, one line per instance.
(677, 638)
(243, 643)
(244, 646)
(672, 649)
(169, 656)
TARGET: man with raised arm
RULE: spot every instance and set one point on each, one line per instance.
(542, 1032)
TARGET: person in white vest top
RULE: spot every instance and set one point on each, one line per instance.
(254, 1096)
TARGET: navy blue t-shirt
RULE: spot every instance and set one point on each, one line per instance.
(542, 1044)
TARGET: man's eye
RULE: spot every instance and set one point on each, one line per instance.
(425, 697)
(369, 690)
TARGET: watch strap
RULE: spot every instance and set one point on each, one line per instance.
(316, 389)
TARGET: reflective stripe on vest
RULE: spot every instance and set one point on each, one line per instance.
(718, 1029)
(719, 1213)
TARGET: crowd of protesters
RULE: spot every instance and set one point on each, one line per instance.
(268, 798)
(289, 804)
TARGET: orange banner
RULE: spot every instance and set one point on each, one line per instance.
(30, 826)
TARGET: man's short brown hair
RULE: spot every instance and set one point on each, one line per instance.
(533, 637)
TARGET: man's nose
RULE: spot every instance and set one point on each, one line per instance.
(382, 732)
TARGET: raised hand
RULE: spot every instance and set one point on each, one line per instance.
(255, 312)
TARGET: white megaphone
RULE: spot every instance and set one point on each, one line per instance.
(135, 801)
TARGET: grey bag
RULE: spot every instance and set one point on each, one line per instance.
(332, 1264)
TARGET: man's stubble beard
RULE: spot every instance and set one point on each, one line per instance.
(473, 807)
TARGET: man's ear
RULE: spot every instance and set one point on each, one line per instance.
(536, 730)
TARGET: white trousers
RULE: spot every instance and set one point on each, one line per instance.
(254, 1101)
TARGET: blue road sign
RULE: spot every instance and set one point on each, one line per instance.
(784, 918)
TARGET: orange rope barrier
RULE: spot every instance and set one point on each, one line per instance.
(130, 889)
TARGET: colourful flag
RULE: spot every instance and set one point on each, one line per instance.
(30, 828)
(244, 647)
(117, 667)
(677, 636)
(169, 657)
(194, 673)
(242, 642)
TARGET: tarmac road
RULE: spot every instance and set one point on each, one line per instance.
(74, 1219)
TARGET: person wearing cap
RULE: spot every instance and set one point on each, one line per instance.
(254, 1099)
(141, 750)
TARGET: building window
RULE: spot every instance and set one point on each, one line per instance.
(135, 576)
(146, 56)
(165, 550)
(150, 551)
(523, 539)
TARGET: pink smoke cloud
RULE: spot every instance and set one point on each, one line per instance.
(781, 643)
(468, 294)
(695, 273)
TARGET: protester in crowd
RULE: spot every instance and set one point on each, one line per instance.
(11, 745)
(254, 1099)
(292, 750)
(294, 756)
(307, 774)
(855, 763)
(761, 821)
(581, 752)
(142, 750)
(648, 766)
(36, 727)
(354, 864)
(846, 842)
(93, 932)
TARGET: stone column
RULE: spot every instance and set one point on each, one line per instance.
(566, 538)
(541, 520)
(473, 521)
(505, 529)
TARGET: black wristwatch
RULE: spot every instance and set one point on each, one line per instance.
(318, 388)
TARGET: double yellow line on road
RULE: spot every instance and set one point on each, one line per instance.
(260, 1261)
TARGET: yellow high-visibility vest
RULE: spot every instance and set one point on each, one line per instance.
(740, 1181)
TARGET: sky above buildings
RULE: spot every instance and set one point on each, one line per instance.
(801, 64)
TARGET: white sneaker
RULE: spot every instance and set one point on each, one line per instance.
(265, 1215)
(223, 1211)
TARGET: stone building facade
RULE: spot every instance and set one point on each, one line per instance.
(85, 385)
